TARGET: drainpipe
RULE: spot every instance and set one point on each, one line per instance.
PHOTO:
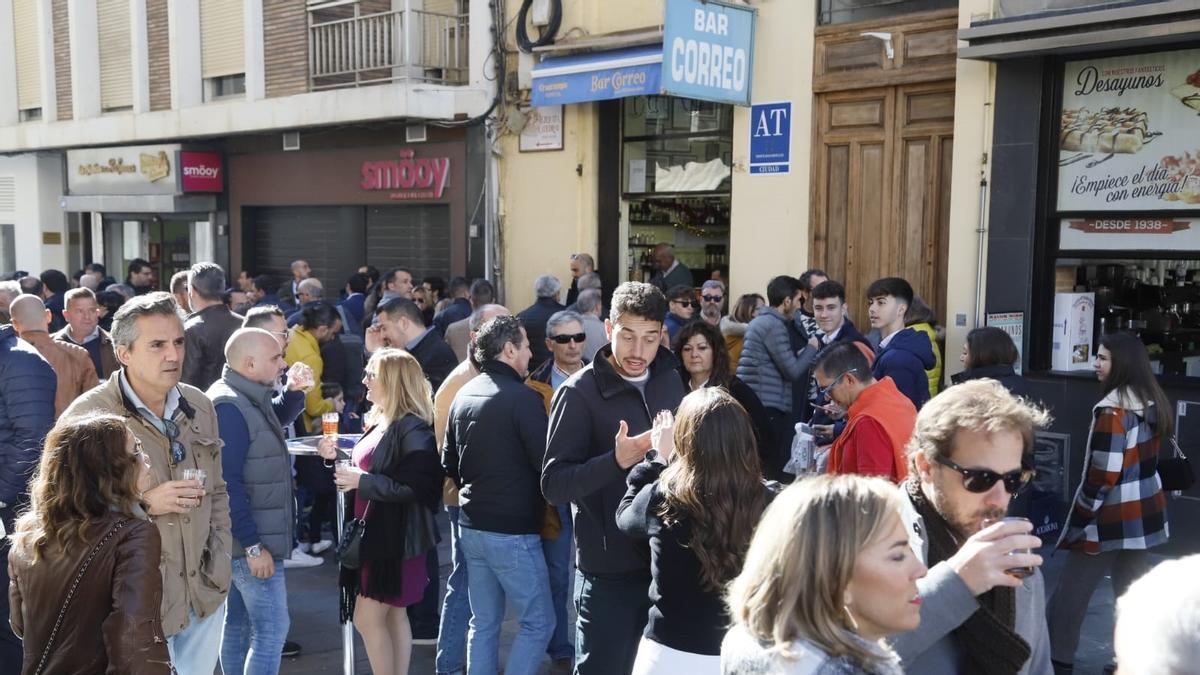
(982, 232)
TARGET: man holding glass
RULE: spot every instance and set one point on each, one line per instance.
(177, 427)
(257, 472)
(983, 605)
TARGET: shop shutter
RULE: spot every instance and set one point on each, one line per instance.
(222, 39)
(116, 54)
(28, 53)
(330, 238)
(416, 237)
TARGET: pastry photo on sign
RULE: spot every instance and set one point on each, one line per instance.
(1108, 131)
(1188, 93)
(1185, 170)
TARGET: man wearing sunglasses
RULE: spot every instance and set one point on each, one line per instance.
(681, 307)
(177, 427)
(879, 419)
(983, 606)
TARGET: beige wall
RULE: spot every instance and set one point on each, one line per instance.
(973, 109)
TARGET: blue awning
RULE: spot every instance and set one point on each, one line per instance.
(578, 78)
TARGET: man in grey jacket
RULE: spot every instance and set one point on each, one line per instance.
(983, 602)
(769, 366)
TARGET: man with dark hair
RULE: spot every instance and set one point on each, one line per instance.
(82, 314)
(681, 307)
(101, 273)
(55, 285)
(140, 277)
(352, 305)
(179, 289)
(73, 368)
(769, 366)
(809, 280)
(435, 289)
(547, 288)
(397, 283)
(208, 327)
(879, 419)
(458, 333)
(459, 293)
(600, 427)
(371, 272)
(31, 285)
(833, 325)
(27, 388)
(904, 354)
(401, 326)
(495, 440)
(260, 291)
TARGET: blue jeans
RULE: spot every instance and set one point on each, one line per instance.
(194, 650)
(456, 608)
(256, 622)
(613, 611)
(506, 567)
(558, 563)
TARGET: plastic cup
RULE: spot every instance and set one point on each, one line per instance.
(329, 424)
(197, 475)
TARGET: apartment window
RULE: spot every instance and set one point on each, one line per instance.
(30, 115)
(27, 39)
(116, 55)
(226, 86)
(8, 250)
(222, 48)
(846, 11)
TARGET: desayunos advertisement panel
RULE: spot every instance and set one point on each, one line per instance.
(1129, 137)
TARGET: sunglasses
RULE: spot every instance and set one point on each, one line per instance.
(982, 480)
(823, 392)
(178, 452)
(713, 298)
(564, 339)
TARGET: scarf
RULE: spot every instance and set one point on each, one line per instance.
(987, 638)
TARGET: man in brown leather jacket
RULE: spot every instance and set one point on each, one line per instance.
(178, 430)
(72, 365)
(83, 330)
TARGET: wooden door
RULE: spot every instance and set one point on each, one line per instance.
(882, 151)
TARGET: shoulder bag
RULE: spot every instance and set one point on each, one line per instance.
(349, 546)
(1176, 472)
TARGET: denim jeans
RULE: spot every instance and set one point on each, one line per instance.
(613, 611)
(558, 564)
(256, 622)
(506, 567)
(456, 608)
(194, 650)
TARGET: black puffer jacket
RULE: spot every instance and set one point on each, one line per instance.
(27, 387)
(581, 465)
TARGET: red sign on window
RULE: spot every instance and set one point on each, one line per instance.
(201, 172)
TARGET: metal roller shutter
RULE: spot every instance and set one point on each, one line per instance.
(330, 238)
(116, 54)
(222, 38)
(28, 54)
(416, 237)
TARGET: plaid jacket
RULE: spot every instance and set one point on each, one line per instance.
(1120, 503)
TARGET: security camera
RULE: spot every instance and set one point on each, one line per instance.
(886, 38)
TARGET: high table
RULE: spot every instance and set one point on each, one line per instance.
(307, 445)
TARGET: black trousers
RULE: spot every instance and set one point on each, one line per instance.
(11, 654)
(784, 430)
(423, 616)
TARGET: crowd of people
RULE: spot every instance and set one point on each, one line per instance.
(751, 486)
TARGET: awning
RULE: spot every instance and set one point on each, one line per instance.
(598, 76)
(139, 203)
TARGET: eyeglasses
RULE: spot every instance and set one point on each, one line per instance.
(564, 339)
(178, 452)
(823, 392)
(982, 480)
(713, 298)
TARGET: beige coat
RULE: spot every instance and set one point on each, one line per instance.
(458, 377)
(195, 546)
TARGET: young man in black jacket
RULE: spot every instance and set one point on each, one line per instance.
(600, 424)
(495, 439)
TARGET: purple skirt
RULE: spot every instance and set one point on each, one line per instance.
(414, 581)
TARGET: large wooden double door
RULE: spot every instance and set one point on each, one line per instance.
(882, 155)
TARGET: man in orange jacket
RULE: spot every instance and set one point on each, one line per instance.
(879, 418)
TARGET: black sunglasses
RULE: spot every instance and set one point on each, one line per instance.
(982, 480)
(713, 298)
(564, 339)
(178, 452)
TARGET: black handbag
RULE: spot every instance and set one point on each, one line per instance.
(1176, 473)
(420, 530)
(350, 544)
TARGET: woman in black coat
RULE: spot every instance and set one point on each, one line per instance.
(704, 362)
(989, 352)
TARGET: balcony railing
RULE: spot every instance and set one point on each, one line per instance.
(350, 48)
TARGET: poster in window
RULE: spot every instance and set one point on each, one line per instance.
(1129, 134)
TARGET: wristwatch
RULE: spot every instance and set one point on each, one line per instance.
(653, 456)
(254, 551)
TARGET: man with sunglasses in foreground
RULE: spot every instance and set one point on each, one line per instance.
(983, 605)
(178, 430)
(879, 419)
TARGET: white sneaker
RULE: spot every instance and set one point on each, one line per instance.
(319, 547)
(305, 546)
(301, 559)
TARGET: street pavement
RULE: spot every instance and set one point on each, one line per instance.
(312, 602)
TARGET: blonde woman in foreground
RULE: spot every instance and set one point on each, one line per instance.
(829, 574)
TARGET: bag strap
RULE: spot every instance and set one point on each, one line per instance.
(1178, 450)
(62, 613)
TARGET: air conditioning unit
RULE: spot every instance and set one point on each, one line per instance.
(291, 140)
(417, 133)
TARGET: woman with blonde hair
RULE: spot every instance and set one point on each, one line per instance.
(86, 542)
(397, 482)
(828, 575)
(696, 497)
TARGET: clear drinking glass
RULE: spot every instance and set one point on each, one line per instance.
(329, 424)
(1018, 572)
(197, 475)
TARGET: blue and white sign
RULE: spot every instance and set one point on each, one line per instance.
(596, 77)
(771, 137)
(708, 50)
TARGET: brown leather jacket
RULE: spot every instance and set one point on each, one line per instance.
(108, 358)
(72, 366)
(113, 624)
